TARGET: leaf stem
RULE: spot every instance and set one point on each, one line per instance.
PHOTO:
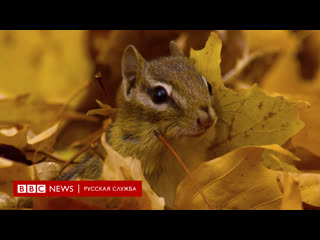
(47, 154)
(161, 138)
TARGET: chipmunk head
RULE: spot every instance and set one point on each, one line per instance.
(166, 94)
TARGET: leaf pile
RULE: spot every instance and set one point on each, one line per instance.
(266, 87)
(237, 177)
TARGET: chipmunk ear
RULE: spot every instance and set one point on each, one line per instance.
(175, 50)
(132, 61)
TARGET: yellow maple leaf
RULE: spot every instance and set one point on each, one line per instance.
(244, 118)
(238, 180)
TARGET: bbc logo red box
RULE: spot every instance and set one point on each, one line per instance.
(31, 188)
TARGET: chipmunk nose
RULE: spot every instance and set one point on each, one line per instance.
(206, 117)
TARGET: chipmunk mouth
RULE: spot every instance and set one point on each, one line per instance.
(197, 134)
(187, 131)
(193, 132)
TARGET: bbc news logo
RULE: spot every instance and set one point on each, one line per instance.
(77, 188)
(31, 188)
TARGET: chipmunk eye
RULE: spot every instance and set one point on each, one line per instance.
(209, 88)
(159, 95)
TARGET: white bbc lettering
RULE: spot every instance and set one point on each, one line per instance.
(41, 188)
(31, 188)
(22, 188)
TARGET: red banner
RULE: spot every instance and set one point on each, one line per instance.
(77, 188)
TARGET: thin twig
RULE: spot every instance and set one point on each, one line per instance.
(47, 154)
(98, 77)
(241, 64)
(160, 137)
(73, 115)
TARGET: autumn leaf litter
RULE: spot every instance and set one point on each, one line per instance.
(255, 129)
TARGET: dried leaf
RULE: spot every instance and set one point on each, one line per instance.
(291, 199)
(16, 138)
(7, 202)
(14, 154)
(117, 167)
(37, 114)
(10, 171)
(45, 140)
(238, 180)
(44, 171)
(308, 138)
(244, 118)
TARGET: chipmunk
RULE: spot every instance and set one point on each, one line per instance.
(170, 96)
